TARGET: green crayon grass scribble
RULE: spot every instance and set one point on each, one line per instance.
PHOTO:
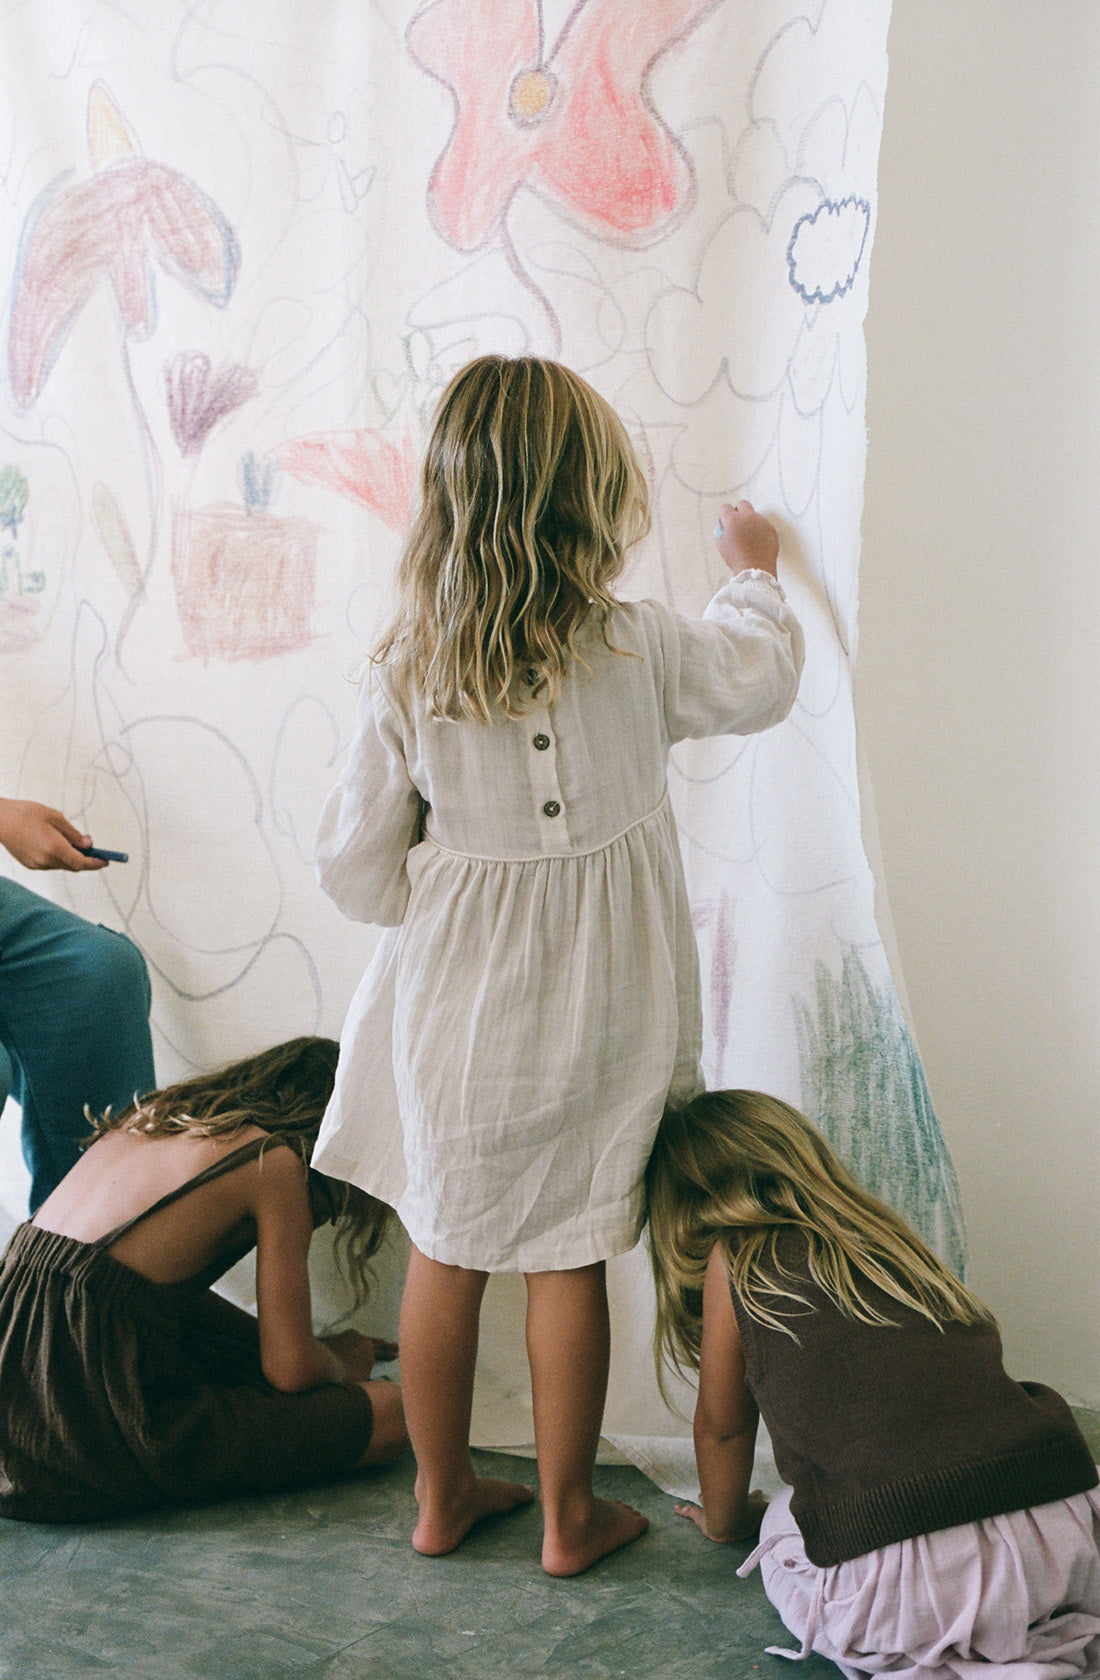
(863, 1086)
(14, 493)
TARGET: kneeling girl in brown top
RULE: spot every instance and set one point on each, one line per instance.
(937, 1511)
(125, 1382)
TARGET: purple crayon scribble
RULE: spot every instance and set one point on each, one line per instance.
(198, 398)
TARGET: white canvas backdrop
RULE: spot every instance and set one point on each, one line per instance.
(245, 244)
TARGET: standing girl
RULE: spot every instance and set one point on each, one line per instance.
(125, 1382)
(940, 1517)
(505, 802)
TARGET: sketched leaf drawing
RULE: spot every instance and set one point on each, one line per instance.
(259, 479)
(114, 534)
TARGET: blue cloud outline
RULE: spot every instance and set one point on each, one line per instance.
(832, 207)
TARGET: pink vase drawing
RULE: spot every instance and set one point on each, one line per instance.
(245, 581)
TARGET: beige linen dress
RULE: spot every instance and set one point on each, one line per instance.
(507, 1056)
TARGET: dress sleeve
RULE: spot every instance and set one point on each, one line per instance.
(370, 819)
(737, 670)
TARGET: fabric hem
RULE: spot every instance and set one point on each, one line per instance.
(349, 1171)
(944, 1498)
(621, 1241)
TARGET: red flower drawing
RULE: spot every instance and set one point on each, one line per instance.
(576, 125)
(112, 225)
(362, 465)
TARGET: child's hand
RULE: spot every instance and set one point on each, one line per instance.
(755, 1506)
(746, 540)
(359, 1354)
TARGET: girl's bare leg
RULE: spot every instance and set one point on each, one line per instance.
(569, 1347)
(388, 1437)
(438, 1340)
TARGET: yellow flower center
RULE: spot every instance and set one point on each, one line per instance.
(531, 94)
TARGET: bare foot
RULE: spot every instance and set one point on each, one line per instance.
(609, 1525)
(440, 1529)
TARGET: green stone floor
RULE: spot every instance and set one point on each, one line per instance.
(323, 1584)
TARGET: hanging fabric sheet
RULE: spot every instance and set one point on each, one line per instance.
(248, 241)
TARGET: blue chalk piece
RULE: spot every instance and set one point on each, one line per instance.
(719, 532)
(108, 857)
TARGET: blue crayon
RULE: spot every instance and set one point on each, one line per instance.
(108, 857)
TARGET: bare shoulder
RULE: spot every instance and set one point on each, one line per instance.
(278, 1173)
(280, 1162)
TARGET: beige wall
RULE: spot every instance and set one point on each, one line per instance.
(979, 658)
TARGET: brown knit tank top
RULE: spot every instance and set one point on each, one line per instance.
(888, 1432)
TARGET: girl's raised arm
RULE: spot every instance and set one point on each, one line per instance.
(291, 1356)
(726, 1417)
(735, 671)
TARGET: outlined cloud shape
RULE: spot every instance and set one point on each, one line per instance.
(826, 248)
(694, 334)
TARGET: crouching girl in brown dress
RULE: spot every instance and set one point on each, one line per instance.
(125, 1382)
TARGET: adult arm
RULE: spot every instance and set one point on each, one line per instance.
(726, 1419)
(39, 837)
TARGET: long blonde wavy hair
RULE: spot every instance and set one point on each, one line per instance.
(284, 1091)
(738, 1168)
(530, 496)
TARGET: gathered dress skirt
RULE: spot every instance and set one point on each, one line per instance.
(539, 1013)
(1014, 1597)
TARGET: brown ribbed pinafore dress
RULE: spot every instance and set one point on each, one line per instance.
(118, 1394)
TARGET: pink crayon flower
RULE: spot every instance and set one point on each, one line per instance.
(576, 126)
(363, 465)
(198, 398)
(112, 226)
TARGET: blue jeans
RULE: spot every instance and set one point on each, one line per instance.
(74, 1027)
